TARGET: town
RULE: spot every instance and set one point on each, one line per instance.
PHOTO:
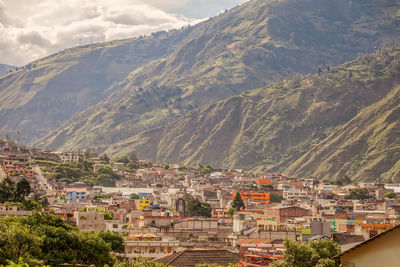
(182, 215)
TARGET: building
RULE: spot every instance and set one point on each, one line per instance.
(381, 250)
(76, 193)
(148, 246)
(12, 210)
(294, 194)
(192, 257)
(283, 213)
(260, 251)
(142, 203)
(90, 220)
(260, 197)
(69, 157)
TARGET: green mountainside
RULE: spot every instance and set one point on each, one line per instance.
(345, 113)
(366, 148)
(4, 69)
(244, 48)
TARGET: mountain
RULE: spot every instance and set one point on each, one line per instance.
(4, 69)
(309, 124)
(245, 48)
(43, 94)
(365, 148)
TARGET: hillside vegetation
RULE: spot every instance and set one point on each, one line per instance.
(365, 148)
(242, 49)
(343, 121)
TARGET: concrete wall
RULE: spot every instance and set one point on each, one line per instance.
(276, 235)
(197, 225)
(383, 251)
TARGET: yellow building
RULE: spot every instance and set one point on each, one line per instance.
(381, 250)
(142, 203)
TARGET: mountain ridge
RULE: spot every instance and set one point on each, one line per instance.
(271, 128)
(4, 69)
(244, 48)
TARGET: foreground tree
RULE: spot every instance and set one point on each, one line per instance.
(115, 240)
(311, 254)
(43, 239)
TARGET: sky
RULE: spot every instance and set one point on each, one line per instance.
(31, 29)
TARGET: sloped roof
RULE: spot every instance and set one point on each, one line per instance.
(255, 241)
(368, 240)
(191, 257)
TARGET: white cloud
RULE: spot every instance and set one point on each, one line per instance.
(30, 29)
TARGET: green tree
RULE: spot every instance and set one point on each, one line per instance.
(23, 263)
(134, 196)
(106, 177)
(114, 239)
(166, 166)
(31, 205)
(85, 165)
(310, 254)
(22, 190)
(105, 180)
(132, 166)
(237, 202)
(275, 198)
(194, 207)
(266, 186)
(358, 193)
(390, 195)
(105, 158)
(46, 239)
(230, 212)
(107, 215)
(93, 250)
(6, 189)
(182, 168)
(17, 241)
(122, 159)
(344, 180)
(90, 153)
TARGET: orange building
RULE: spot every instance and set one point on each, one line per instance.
(261, 197)
(263, 181)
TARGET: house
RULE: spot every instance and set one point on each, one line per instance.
(12, 210)
(294, 194)
(90, 220)
(148, 245)
(192, 257)
(76, 193)
(381, 250)
(283, 213)
(69, 157)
